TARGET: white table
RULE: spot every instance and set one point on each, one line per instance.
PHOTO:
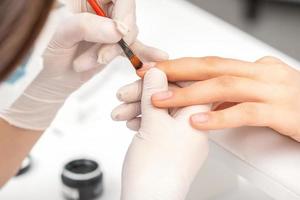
(242, 165)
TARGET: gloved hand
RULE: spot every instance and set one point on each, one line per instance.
(81, 47)
(123, 14)
(130, 109)
(166, 153)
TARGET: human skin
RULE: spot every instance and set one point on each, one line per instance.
(15, 144)
(264, 93)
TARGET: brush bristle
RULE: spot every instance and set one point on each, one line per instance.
(136, 62)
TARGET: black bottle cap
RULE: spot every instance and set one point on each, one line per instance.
(82, 179)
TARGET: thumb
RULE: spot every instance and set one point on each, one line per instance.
(154, 81)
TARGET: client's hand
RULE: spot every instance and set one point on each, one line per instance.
(264, 93)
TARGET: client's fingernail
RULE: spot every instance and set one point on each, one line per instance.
(162, 95)
(200, 118)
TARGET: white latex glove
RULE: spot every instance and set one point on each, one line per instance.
(72, 58)
(166, 153)
(130, 109)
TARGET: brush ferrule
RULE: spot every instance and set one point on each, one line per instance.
(126, 48)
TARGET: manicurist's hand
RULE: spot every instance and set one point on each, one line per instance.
(81, 47)
(263, 93)
(123, 15)
(166, 152)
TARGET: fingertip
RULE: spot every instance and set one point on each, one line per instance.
(155, 78)
(130, 93)
(149, 65)
(134, 124)
(200, 121)
(107, 53)
(117, 113)
(154, 81)
(200, 118)
(197, 126)
(141, 73)
(146, 67)
(115, 116)
(119, 95)
(156, 103)
(131, 127)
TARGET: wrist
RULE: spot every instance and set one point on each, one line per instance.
(37, 107)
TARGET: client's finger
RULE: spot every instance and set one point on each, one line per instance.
(244, 114)
(222, 89)
(193, 69)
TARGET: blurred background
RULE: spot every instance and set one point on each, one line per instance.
(276, 22)
(225, 175)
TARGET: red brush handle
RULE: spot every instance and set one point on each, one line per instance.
(96, 7)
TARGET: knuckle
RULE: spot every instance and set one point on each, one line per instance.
(280, 70)
(211, 61)
(269, 59)
(225, 81)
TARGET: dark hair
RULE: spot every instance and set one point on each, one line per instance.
(20, 23)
